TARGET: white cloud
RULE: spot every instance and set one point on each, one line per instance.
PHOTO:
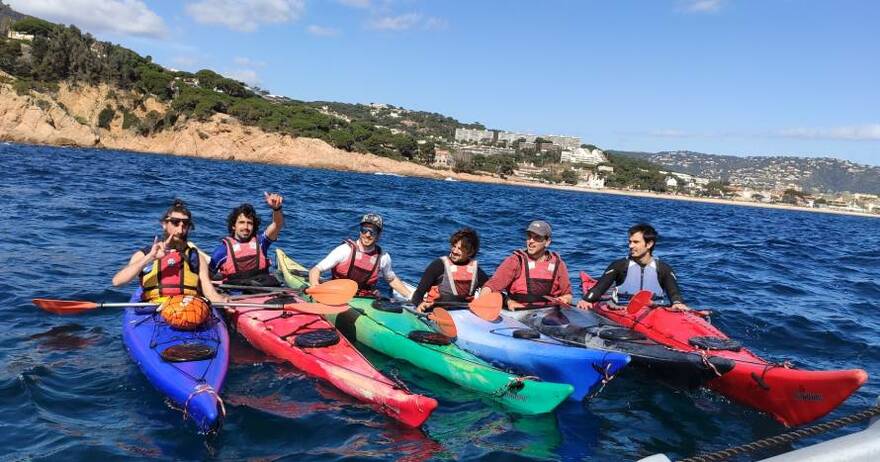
(320, 31)
(123, 17)
(247, 62)
(245, 15)
(869, 132)
(701, 6)
(248, 76)
(355, 3)
(395, 23)
(669, 133)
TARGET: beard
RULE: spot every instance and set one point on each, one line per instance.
(177, 243)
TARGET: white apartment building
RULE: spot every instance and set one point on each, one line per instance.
(584, 156)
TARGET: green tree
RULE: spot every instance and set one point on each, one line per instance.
(34, 26)
(105, 117)
(570, 176)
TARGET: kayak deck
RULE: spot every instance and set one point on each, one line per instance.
(192, 386)
(510, 343)
(389, 333)
(791, 396)
(587, 329)
(312, 345)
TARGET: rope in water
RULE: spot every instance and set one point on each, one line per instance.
(785, 437)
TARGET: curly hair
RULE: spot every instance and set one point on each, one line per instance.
(470, 241)
(248, 211)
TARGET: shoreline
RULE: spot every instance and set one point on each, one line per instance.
(58, 120)
(407, 171)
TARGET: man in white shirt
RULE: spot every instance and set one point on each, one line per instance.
(362, 261)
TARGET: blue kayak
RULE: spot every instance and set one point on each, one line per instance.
(191, 373)
(510, 343)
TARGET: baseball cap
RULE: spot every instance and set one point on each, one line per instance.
(539, 227)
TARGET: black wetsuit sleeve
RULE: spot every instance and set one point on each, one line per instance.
(613, 275)
(430, 277)
(668, 282)
(482, 277)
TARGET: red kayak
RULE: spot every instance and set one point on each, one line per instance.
(791, 396)
(314, 346)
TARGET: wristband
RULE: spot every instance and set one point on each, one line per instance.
(274, 209)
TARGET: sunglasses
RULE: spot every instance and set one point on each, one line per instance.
(177, 222)
(535, 237)
(369, 231)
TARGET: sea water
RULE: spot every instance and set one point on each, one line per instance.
(791, 285)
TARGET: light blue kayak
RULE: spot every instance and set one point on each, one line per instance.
(510, 343)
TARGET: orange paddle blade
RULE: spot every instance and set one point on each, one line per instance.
(64, 306)
(487, 307)
(639, 301)
(444, 322)
(316, 308)
(334, 292)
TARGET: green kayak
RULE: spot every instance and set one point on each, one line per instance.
(391, 331)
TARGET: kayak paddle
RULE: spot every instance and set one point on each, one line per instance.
(444, 322)
(333, 292)
(487, 307)
(77, 306)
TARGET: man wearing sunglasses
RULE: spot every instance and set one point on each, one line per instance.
(362, 261)
(242, 256)
(171, 266)
(533, 276)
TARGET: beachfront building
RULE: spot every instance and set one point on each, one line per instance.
(581, 155)
(473, 135)
(443, 159)
(16, 35)
(566, 142)
(591, 180)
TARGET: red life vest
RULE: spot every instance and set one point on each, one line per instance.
(173, 274)
(243, 259)
(536, 277)
(361, 267)
(458, 281)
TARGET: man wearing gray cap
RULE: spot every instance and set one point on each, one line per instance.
(534, 275)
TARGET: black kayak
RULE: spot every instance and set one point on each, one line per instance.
(585, 328)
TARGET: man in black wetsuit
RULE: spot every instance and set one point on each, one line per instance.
(639, 271)
(455, 276)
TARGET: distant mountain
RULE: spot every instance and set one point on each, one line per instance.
(8, 16)
(821, 174)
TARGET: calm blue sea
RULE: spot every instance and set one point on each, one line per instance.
(790, 285)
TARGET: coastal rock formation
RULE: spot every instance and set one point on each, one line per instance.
(69, 117)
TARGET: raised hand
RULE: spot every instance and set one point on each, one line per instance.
(273, 200)
(157, 251)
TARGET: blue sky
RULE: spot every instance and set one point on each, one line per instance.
(752, 77)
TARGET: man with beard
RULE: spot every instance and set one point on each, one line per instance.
(242, 256)
(533, 276)
(454, 278)
(362, 261)
(639, 271)
(170, 266)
